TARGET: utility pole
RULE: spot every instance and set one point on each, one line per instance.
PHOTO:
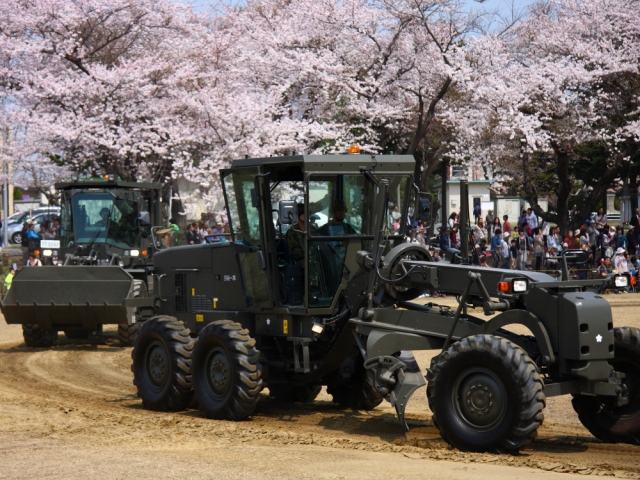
(445, 171)
(5, 190)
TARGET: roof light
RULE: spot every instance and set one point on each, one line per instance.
(354, 149)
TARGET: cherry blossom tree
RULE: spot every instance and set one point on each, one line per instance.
(554, 83)
(104, 87)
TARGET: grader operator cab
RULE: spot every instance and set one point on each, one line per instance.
(103, 254)
(317, 289)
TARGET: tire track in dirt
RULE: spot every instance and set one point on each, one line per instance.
(86, 394)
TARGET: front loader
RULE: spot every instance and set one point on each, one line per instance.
(102, 256)
(235, 317)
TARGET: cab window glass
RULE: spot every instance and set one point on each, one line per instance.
(344, 205)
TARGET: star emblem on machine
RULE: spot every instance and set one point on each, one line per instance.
(598, 338)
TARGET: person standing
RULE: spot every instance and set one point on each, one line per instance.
(192, 234)
(8, 280)
(24, 243)
(477, 213)
(532, 220)
(523, 244)
(601, 219)
(478, 231)
(505, 252)
(513, 255)
(488, 222)
(496, 248)
(620, 238)
(538, 248)
(635, 219)
(506, 226)
(632, 240)
(593, 233)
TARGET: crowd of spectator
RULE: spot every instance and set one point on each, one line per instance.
(533, 244)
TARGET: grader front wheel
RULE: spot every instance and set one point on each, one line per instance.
(486, 395)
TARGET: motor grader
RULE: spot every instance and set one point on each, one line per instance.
(235, 317)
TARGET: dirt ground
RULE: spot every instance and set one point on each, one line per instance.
(71, 411)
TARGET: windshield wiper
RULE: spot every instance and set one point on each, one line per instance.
(95, 235)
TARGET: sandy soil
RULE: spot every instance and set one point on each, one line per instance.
(71, 411)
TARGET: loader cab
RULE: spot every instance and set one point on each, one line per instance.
(307, 266)
(109, 218)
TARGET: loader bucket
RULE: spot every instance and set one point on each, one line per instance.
(69, 296)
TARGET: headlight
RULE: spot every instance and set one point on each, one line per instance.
(135, 253)
(519, 286)
(125, 253)
(621, 281)
(47, 253)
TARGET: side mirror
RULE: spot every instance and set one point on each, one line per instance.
(287, 212)
(144, 219)
(255, 199)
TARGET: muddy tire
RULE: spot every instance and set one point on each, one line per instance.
(295, 393)
(162, 364)
(358, 394)
(227, 375)
(486, 395)
(37, 337)
(127, 333)
(599, 414)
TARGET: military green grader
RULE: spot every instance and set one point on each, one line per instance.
(104, 252)
(235, 317)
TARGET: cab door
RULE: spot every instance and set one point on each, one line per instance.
(242, 195)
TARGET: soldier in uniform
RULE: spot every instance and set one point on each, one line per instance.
(295, 237)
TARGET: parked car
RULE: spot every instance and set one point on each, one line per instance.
(38, 216)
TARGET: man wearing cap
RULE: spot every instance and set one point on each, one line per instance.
(295, 237)
(337, 225)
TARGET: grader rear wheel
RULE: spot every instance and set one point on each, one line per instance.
(162, 364)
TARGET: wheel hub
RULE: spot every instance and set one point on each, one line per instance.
(157, 365)
(219, 377)
(481, 399)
